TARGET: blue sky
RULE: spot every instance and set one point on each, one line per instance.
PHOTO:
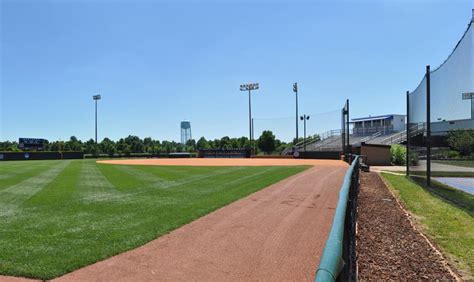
(156, 63)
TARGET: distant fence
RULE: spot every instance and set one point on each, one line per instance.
(142, 155)
(225, 153)
(325, 155)
(22, 156)
(338, 261)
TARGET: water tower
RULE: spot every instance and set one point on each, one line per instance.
(185, 131)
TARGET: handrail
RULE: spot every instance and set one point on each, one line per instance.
(332, 261)
(373, 136)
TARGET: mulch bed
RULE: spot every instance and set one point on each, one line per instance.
(388, 247)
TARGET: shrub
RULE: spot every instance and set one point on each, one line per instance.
(398, 154)
(462, 141)
(414, 159)
(453, 154)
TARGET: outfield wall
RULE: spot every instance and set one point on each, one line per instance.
(24, 156)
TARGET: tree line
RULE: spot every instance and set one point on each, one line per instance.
(267, 143)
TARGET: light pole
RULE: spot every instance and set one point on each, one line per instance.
(249, 87)
(304, 118)
(96, 98)
(295, 89)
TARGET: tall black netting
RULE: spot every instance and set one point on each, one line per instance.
(441, 144)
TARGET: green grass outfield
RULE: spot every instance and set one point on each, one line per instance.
(451, 227)
(57, 216)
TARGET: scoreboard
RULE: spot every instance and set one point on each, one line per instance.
(35, 144)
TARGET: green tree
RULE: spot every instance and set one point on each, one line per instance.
(398, 154)
(191, 145)
(462, 141)
(9, 146)
(243, 142)
(225, 142)
(266, 142)
(110, 150)
(135, 144)
(202, 143)
(73, 144)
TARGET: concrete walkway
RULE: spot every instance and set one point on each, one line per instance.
(465, 184)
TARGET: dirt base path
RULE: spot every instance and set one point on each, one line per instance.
(277, 233)
(388, 247)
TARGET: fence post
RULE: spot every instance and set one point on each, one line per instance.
(408, 135)
(428, 127)
(343, 132)
(347, 127)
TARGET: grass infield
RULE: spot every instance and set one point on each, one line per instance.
(57, 216)
(451, 227)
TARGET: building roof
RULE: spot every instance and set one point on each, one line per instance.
(375, 117)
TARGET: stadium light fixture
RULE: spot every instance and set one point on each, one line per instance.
(96, 98)
(249, 87)
(304, 118)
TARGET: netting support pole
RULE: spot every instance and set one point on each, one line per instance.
(343, 131)
(408, 135)
(428, 127)
(347, 127)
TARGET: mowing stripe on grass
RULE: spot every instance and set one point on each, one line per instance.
(12, 197)
(6, 172)
(10, 177)
(130, 195)
(121, 181)
(9, 166)
(144, 176)
(94, 186)
(59, 190)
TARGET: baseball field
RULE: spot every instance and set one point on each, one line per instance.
(58, 216)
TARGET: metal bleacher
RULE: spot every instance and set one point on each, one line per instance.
(331, 140)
